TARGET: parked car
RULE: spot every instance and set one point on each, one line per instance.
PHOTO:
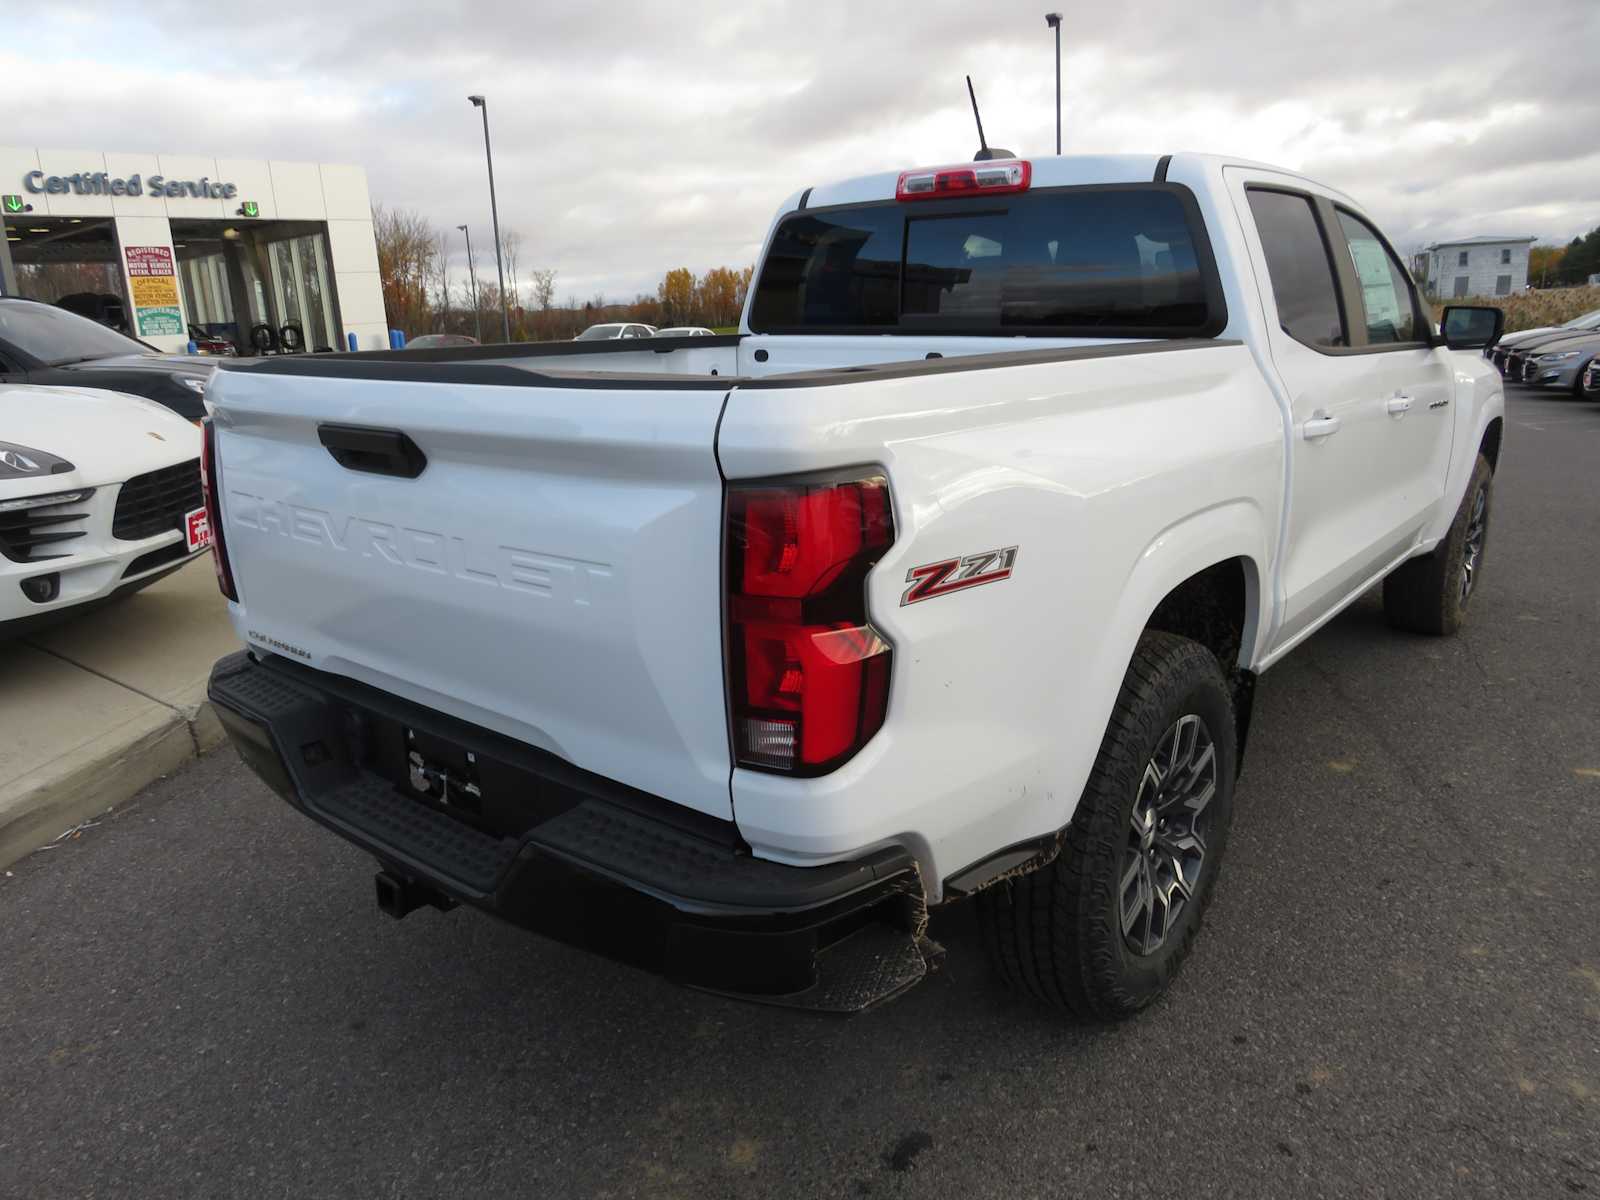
(623, 329)
(99, 307)
(211, 343)
(40, 343)
(950, 577)
(99, 496)
(439, 341)
(1527, 361)
(1511, 341)
(686, 331)
(1559, 364)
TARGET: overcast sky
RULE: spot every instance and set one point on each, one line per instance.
(631, 138)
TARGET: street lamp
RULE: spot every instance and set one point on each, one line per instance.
(494, 213)
(477, 310)
(1054, 21)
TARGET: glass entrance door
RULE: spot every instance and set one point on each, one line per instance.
(300, 288)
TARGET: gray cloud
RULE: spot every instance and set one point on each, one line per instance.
(635, 137)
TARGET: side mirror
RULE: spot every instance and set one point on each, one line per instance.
(1469, 327)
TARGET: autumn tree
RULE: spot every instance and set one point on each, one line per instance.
(677, 296)
(720, 299)
(511, 256)
(407, 250)
(544, 288)
(1544, 264)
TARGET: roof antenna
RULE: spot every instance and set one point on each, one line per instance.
(984, 153)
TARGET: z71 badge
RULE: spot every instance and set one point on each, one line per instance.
(955, 574)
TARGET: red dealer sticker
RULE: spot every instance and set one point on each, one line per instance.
(197, 529)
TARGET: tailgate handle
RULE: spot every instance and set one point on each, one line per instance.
(375, 451)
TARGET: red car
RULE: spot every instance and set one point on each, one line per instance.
(211, 343)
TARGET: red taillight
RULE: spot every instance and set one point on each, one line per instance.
(808, 676)
(211, 489)
(983, 178)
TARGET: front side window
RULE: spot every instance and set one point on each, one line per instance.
(1298, 264)
(1386, 300)
(1120, 262)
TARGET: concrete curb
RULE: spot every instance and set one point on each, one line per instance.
(97, 777)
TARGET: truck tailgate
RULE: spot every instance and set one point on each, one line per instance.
(552, 573)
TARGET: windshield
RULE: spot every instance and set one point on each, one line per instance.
(57, 337)
(1127, 261)
(597, 333)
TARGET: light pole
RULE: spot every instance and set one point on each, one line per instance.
(494, 213)
(1054, 21)
(477, 309)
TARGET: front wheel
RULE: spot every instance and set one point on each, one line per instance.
(1431, 594)
(1102, 930)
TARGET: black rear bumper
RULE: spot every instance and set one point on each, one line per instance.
(572, 855)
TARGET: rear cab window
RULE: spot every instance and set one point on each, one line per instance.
(1098, 261)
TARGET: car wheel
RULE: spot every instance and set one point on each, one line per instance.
(1102, 929)
(1431, 594)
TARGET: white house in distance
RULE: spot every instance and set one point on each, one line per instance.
(1479, 266)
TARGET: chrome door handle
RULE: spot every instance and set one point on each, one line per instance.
(1319, 426)
(1398, 404)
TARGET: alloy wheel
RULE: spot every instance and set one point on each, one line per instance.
(1166, 846)
(1472, 550)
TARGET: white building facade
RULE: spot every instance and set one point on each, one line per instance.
(275, 257)
(1478, 266)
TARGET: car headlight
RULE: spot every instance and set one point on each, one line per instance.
(195, 385)
(19, 462)
(1562, 357)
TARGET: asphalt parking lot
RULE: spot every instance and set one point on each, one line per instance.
(1397, 992)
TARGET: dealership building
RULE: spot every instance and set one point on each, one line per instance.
(273, 256)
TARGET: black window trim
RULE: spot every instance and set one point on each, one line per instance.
(1205, 261)
(1346, 285)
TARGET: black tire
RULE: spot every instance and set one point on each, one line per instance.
(1430, 595)
(1058, 933)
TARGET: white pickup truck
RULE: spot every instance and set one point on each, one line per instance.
(949, 576)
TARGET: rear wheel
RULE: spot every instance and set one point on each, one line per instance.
(1431, 594)
(1102, 930)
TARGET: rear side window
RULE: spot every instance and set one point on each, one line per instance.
(1302, 273)
(1126, 261)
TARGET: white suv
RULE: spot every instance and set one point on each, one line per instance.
(610, 332)
(99, 496)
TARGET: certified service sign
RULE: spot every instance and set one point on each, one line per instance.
(154, 286)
